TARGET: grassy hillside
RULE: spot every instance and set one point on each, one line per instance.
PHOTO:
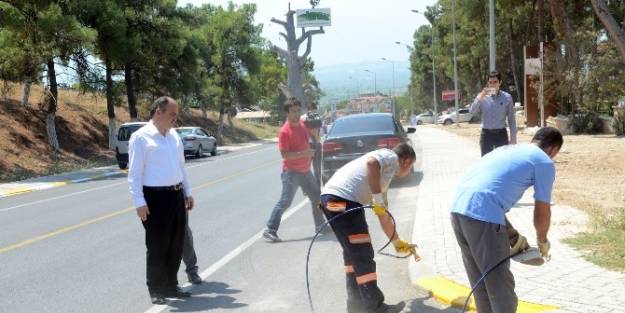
(82, 131)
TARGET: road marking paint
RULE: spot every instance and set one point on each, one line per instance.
(454, 294)
(230, 256)
(116, 213)
(61, 197)
(62, 230)
(27, 189)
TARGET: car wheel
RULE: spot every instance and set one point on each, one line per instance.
(122, 166)
(214, 152)
(419, 122)
(199, 153)
(447, 122)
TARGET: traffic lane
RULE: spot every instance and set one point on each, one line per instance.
(103, 266)
(40, 218)
(70, 190)
(271, 277)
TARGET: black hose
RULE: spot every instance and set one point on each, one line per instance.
(466, 302)
(324, 225)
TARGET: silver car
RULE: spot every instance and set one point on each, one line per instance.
(425, 118)
(197, 141)
(464, 115)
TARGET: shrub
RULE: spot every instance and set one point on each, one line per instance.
(586, 123)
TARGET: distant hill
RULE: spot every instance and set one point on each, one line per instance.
(335, 82)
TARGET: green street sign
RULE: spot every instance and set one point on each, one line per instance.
(313, 17)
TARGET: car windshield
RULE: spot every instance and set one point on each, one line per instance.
(184, 131)
(126, 131)
(363, 124)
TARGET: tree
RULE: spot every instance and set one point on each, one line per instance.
(230, 50)
(290, 56)
(111, 45)
(611, 25)
(50, 32)
(264, 84)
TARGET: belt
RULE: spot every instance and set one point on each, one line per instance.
(165, 188)
(493, 131)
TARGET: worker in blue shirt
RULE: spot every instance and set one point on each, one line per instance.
(485, 194)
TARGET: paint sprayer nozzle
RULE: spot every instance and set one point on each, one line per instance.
(530, 256)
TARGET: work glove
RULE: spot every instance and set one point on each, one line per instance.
(379, 206)
(544, 248)
(520, 245)
(403, 247)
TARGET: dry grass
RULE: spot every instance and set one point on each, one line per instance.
(590, 169)
(82, 127)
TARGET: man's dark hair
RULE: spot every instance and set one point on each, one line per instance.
(312, 106)
(404, 151)
(548, 137)
(494, 74)
(291, 102)
(160, 103)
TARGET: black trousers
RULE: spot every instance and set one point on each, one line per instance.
(492, 138)
(164, 238)
(352, 232)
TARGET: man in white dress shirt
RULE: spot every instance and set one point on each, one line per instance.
(160, 191)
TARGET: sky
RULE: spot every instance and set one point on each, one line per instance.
(361, 31)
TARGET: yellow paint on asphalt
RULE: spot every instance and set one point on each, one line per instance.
(62, 230)
(16, 191)
(116, 213)
(454, 294)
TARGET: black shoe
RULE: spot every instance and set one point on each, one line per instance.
(177, 293)
(194, 278)
(158, 299)
(271, 235)
(395, 308)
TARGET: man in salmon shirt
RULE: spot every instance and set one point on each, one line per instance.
(296, 158)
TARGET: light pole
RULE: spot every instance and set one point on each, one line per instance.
(375, 81)
(357, 86)
(491, 33)
(453, 22)
(362, 110)
(393, 86)
(409, 84)
(433, 70)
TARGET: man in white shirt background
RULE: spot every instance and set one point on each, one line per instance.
(161, 193)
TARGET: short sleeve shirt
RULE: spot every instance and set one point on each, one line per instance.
(500, 178)
(294, 139)
(350, 182)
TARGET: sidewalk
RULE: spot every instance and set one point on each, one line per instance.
(566, 284)
(47, 182)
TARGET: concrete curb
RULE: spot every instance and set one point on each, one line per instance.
(29, 187)
(441, 269)
(47, 182)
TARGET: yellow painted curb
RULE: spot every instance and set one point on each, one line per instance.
(454, 294)
(16, 191)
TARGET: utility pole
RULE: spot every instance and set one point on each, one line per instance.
(434, 97)
(290, 56)
(453, 13)
(491, 35)
(375, 82)
(393, 104)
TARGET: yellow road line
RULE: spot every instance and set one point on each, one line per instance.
(16, 191)
(116, 213)
(62, 230)
(454, 294)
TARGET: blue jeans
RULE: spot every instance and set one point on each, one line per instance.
(290, 182)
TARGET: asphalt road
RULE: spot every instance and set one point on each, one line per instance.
(80, 247)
